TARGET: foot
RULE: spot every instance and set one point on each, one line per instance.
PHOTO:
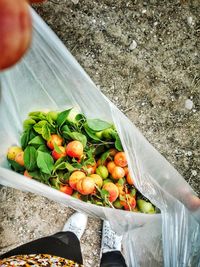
(110, 240)
(76, 224)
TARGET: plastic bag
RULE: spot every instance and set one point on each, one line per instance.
(48, 77)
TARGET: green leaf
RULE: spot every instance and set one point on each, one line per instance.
(30, 158)
(57, 149)
(38, 126)
(98, 125)
(69, 167)
(32, 134)
(80, 118)
(46, 134)
(38, 140)
(25, 139)
(77, 165)
(90, 133)
(49, 119)
(65, 128)
(43, 148)
(60, 166)
(62, 117)
(53, 115)
(118, 144)
(104, 193)
(37, 115)
(42, 177)
(28, 124)
(78, 136)
(104, 156)
(45, 162)
(15, 166)
(60, 160)
(99, 149)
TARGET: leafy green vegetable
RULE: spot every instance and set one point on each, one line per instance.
(38, 126)
(118, 144)
(60, 166)
(91, 133)
(37, 115)
(43, 148)
(40, 176)
(65, 128)
(30, 158)
(98, 125)
(46, 134)
(57, 149)
(62, 117)
(16, 167)
(28, 124)
(63, 166)
(38, 140)
(45, 162)
(104, 156)
(69, 167)
(25, 138)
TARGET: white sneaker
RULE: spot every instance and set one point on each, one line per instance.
(77, 224)
(110, 240)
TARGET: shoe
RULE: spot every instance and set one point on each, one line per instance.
(76, 224)
(110, 240)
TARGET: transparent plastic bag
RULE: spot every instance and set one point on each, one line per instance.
(48, 77)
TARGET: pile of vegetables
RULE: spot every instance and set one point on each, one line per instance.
(80, 157)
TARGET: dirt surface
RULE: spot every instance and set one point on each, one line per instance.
(144, 55)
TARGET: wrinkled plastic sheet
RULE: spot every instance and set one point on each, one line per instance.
(49, 78)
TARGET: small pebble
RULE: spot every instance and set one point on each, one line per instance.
(189, 153)
(75, 1)
(190, 21)
(194, 172)
(133, 45)
(188, 104)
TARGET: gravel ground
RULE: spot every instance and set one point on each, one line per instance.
(144, 55)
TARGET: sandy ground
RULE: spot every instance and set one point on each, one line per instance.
(144, 55)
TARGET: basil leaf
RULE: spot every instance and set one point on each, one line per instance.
(30, 158)
(62, 117)
(45, 162)
(46, 134)
(38, 126)
(118, 144)
(98, 125)
(28, 124)
(15, 166)
(38, 140)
